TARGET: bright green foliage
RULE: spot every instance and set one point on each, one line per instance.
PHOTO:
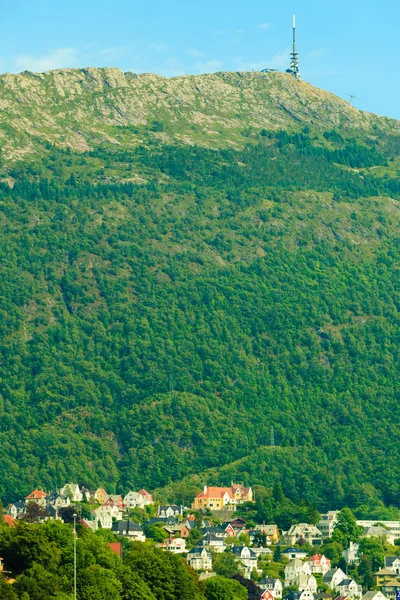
(41, 558)
(261, 283)
(6, 590)
(226, 564)
(156, 532)
(375, 549)
(221, 588)
(346, 530)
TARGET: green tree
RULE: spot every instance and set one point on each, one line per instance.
(226, 564)
(221, 588)
(346, 529)
(277, 553)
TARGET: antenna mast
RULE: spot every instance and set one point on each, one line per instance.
(294, 56)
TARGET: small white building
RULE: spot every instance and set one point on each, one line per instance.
(176, 545)
(319, 564)
(393, 563)
(200, 559)
(294, 568)
(328, 522)
(348, 587)
(350, 555)
(138, 499)
(246, 557)
(374, 595)
(333, 577)
(105, 515)
(72, 490)
(272, 585)
(310, 534)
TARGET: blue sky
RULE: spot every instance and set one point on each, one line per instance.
(347, 47)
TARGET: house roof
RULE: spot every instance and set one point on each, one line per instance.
(392, 583)
(198, 550)
(385, 572)
(389, 560)
(145, 493)
(345, 582)
(126, 526)
(293, 550)
(215, 492)
(36, 495)
(8, 520)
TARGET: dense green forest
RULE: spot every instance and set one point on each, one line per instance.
(162, 307)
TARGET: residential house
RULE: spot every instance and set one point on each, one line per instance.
(306, 595)
(328, 522)
(383, 576)
(246, 557)
(379, 531)
(310, 534)
(216, 498)
(265, 594)
(58, 501)
(292, 553)
(214, 543)
(374, 595)
(72, 490)
(305, 582)
(393, 563)
(115, 500)
(271, 531)
(177, 530)
(170, 510)
(9, 520)
(292, 595)
(174, 545)
(106, 514)
(129, 529)
(392, 526)
(350, 555)
(293, 569)
(16, 509)
(92, 524)
(200, 559)
(319, 563)
(348, 587)
(38, 497)
(333, 577)
(391, 588)
(100, 495)
(138, 499)
(274, 586)
(259, 552)
(217, 531)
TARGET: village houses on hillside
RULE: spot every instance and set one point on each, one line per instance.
(216, 498)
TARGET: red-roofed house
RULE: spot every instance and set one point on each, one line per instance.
(217, 498)
(116, 547)
(38, 497)
(319, 563)
(146, 495)
(8, 520)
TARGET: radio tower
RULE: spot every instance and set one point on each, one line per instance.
(294, 56)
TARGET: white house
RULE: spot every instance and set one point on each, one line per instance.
(333, 577)
(374, 595)
(393, 563)
(303, 531)
(170, 510)
(306, 583)
(294, 568)
(176, 545)
(319, 563)
(128, 529)
(272, 585)
(72, 490)
(350, 555)
(106, 514)
(214, 543)
(138, 499)
(200, 559)
(306, 595)
(246, 557)
(328, 522)
(348, 587)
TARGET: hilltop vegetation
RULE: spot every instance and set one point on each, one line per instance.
(163, 306)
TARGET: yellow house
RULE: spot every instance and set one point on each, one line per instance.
(100, 495)
(217, 498)
(383, 576)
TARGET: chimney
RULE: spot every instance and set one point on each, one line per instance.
(205, 490)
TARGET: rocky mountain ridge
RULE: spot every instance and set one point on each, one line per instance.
(82, 108)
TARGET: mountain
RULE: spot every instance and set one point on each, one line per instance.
(84, 108)
(187, 263)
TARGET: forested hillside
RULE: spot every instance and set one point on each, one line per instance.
(162, 306)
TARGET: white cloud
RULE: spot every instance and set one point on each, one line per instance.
(264, 26)
(58, 59)
(160, 47)
(195, 53)
(209, 66)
